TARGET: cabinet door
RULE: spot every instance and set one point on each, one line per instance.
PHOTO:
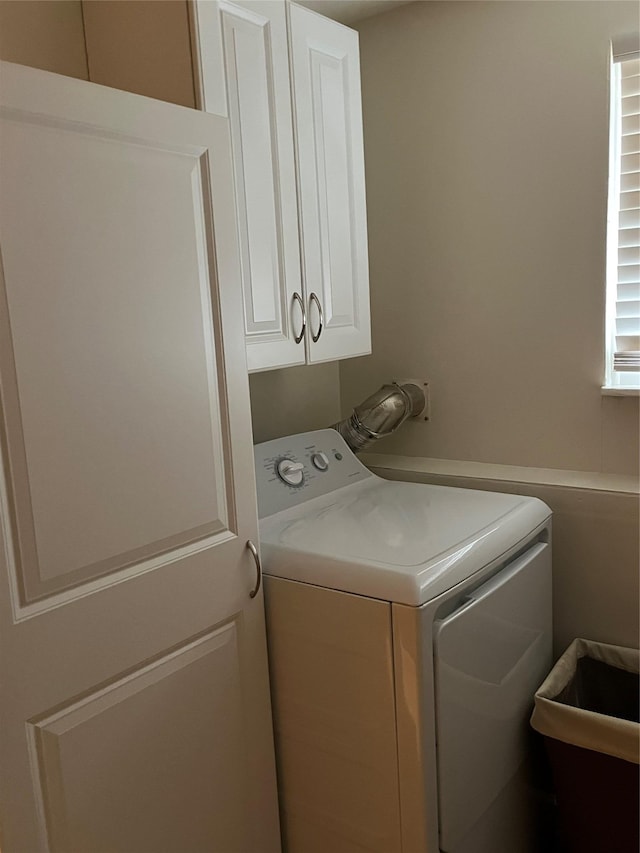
(135, 700)
(251, 39)
(328, 127)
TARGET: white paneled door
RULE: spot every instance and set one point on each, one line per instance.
(135, 709)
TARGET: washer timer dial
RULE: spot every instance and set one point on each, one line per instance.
(290, 472)
(320, 461)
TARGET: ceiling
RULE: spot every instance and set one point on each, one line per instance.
(351, 11)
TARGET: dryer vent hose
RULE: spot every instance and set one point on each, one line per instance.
(381, 414)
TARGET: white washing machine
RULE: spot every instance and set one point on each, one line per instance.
(409, 626)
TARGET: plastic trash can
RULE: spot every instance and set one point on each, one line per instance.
(587, 711)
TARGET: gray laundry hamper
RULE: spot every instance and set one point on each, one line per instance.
(587, 711)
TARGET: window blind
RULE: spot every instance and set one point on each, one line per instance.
(626, 354)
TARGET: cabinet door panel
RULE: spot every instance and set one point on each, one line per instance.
(252, 38)
(328, 125)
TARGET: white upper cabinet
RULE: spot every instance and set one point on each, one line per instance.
(291, 89)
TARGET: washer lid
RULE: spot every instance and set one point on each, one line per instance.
(403, 542)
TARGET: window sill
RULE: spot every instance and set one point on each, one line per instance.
(620, 391)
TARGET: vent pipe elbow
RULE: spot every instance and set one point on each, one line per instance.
(381, 414)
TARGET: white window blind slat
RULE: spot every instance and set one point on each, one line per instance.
(626, 293)
(629, 182)
(629, 163)
(629, 68)
(625, 324)
(629, 308)
(630, 85)
(628, 237)
(626, 362)
(629, 219)
(627, 327)
(629, 274)
(629, 200)
(628, 256)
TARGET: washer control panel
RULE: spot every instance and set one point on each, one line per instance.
(300, 467)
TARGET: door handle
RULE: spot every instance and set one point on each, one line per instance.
(314, 298)
(297, 298)
(256, 558)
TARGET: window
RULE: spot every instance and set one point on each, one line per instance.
(623, 238)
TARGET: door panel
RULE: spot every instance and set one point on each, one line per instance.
(110, 380)
(134, 682)
(328, 123)
(181, 805)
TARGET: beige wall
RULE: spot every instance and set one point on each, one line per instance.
(486, 155)
(297, 399)
(142, 46)
(44, 34)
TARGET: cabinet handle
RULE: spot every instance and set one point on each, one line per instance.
(297, 298)
(256, 558)
(314, 298)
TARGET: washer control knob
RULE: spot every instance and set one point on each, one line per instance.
(320, 461)
(290, 472)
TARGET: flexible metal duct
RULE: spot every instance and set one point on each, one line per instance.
(381, 414)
